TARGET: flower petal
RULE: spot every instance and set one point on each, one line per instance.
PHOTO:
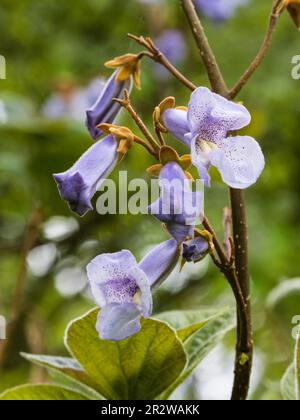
(105, 110)
(200, 159)
(144, 295)
(234, 115)
(78, 185)
(199, 109)
(175, 120)
(117, 322)
(239, 160)
(195, 250)
(180, 232)
(178, 207)
(211, 117)
(160, 262)
(108, 267)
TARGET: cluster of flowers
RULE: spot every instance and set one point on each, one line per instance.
(122, 287)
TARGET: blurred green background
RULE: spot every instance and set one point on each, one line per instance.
(58, 48)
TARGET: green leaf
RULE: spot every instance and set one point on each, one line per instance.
(138, 368)
(71, 373)
(202, 342)
(41, 392)
(188, 322)
(290, 384)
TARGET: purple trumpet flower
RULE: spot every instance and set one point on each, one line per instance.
(195, 250)
(219, 10)
(122, 287)
(177, 207)
(204, 127)
(78, 185)
(105, 110)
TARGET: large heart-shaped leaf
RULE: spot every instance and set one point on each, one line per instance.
(138, 368)
(41, 392)
(69, 372)
(199, 344)
(290, 384)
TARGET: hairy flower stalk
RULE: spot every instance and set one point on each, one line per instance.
(122, 287)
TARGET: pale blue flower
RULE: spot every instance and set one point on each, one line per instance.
(205, 128)
(122, 287)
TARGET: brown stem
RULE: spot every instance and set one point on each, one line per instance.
(244, 351)
(209, 60)
(275, 14)
(139, 122)
(156, 55)
(234, 268)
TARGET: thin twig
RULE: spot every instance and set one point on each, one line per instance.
(219, 248)
(156, 55)
(125, 102)
(244, 353)
(274, 16)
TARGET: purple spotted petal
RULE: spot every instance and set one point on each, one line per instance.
(195, 250)
(211, 117)
(178, 207)
(239, 160)
(105, 110)
(200, 159)
(78, 185)
(111, 270)
(160, 262)
(117, 322)
(175, 120)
